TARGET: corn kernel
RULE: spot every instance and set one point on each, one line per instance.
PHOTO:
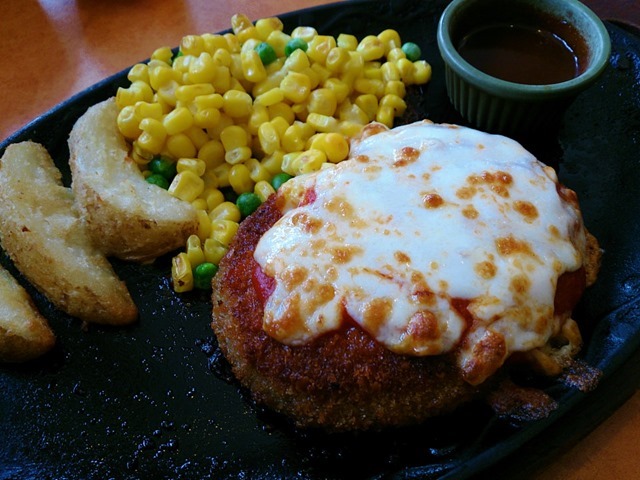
(223, 231)
(259, 115)
(278, 40)
(296, 87)
(347, 41)
(296, 62)
(269, 138)
(180, 145)
(202, 69)
(353, 113)
(282, 110)
(270, 97)
(222, 174)
(371, 48)
(334, 146)
(237, 103)
(214, 197)
(214, 42)
(128, 123)
(322, 123)
(338, 87)
(257, 171)
(222, 57)
(199, 204)
(181, 273)
(207, 118)
(234, 136)
(293, 139)
(191, 164)
(370, 86)
(395, 87)
(337, 59)
(186, 186)
(266, 26)
(390, 39)
(385, 115)
(240, 178)
(398, 104)
(323, 101)
(153, 135)
(194, 251)
(225, 211)
(252, 67)
(369, 105)
(406, 68)
(422, 72)
(237, 156)
(177, 120)
(305, 33)
(319, 48)
(139, 72)
(192, 45)
(212, 153)
(214, 250)
(273, 163)
(309, 161)
(164, 54)
(263, 189)
(395, 54)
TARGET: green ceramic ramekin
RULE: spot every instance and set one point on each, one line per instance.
(505, 107)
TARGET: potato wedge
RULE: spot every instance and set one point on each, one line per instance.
(127, 217)
(24, 333)
(42, 232)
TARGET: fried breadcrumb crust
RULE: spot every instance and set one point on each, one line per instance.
(342, 381)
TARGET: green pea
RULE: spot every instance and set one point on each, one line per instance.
(267, 53)
(159, 180)
(248, 203)
(412, 51)
(203, 274)
(279, 179)
(295, 44)
(163, 166)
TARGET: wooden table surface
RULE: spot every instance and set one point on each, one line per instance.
(52, 49)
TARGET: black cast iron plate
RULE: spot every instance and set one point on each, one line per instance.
(155, 400)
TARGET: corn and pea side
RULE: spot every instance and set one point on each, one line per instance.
(230, 117)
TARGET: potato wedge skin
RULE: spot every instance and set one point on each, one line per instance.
(24, 333)
(126, 216)
(42, 232)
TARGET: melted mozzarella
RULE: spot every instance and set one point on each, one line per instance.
(430, 237)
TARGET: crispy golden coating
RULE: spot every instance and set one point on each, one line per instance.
(42, 232)
(342, 381)
(126, 216)
(24, 333)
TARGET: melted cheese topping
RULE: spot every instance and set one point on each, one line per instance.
(431, 238)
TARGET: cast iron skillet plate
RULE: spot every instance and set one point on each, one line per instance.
(156, 400)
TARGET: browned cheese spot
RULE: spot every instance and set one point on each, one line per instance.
(487, 356)
(466, 193)
(289, 321)
(361, 158)
(432, 200)
(344, 253)
(499, 182)
(405, 156)
(510, 246)
(293, 277)
(375, 314)
(470, 212)
(520, 285)
(401, 257)
(486, 269)
(372, 129)
(527, 209)
(553, 230)
(308, 223)
(340, 206)
(423, 325)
